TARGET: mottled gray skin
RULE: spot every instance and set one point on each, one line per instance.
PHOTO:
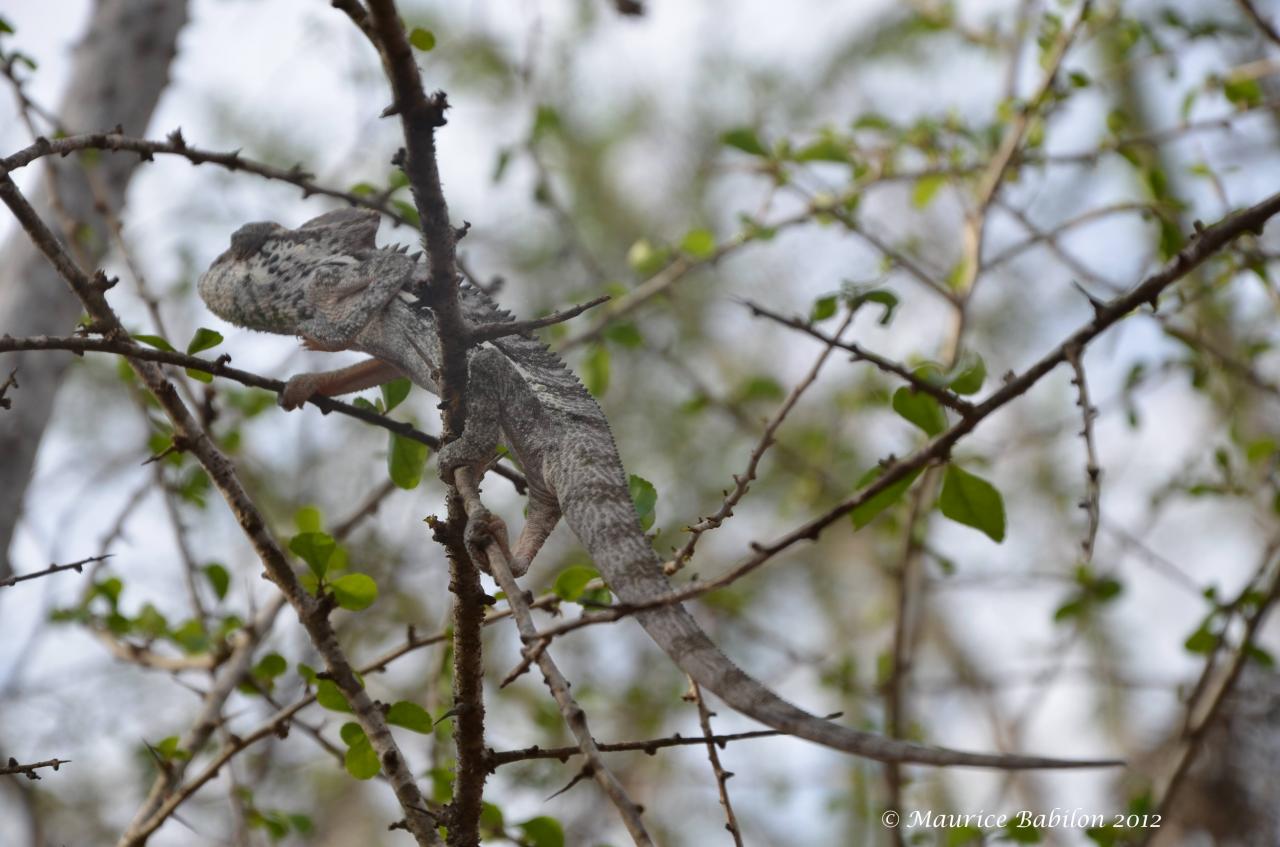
(327, 282)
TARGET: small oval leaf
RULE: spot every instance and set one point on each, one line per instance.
(355, 591)
(972, 501)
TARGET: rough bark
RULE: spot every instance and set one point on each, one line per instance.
(120, 69)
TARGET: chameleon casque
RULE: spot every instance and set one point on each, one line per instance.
(328, 283)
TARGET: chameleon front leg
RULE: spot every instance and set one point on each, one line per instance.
(302, 387)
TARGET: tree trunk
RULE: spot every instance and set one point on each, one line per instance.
(120, 69)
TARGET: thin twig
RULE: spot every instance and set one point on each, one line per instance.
(219, 367)
(860, 353)
(176, 145)
(1092, 503)
(1267, 28)
(29, 770)
(742, 482)
(490, 332)
(78, 567)
(722, 776)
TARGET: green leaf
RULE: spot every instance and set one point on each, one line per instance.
(543, 831)
(219, 579)
(858, 296)
(361, 761)
(354, 591)
(1201, 641)
(573, 581)
(1171, 238)
(867, 512)
(492, 821)
(410, 716)
(408, 211)
(624, 334)
(972, 374)
(330, 696)
(204, 339)
(199, 376)
(167, 748)
(6, 28)
(1243, 93)
(156, 342)
(1260, 655)
(746, 140)
(920, 409)
(825, 149)
(972, 501)
(699, 243)
(270, 666)
(595, 370)
(926, 189)
(394, 392)
(645, 498)
(314, 548)
(423, 39)
(109, 589)
(191, 637)
(823, 308)
(406, 460)
(308, 519)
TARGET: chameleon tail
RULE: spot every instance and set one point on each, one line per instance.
(599, 511)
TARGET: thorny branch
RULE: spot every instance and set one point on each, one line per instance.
(29, 770)
(574, 717)
(312, 612)
(218, 367)
(947, 398)
(1092, 503)
(742, 482)
(78, 567)
(1203, 245)
(722, 776)
(420, 117)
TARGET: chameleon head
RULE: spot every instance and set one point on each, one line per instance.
(278, 280)
(235, 285)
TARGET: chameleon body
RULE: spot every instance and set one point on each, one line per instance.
(328, 283)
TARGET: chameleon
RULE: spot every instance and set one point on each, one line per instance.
(330, 284)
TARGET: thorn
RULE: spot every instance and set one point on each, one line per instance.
(393, 109)
(102, 282)
(175, 138)
(1098, 305)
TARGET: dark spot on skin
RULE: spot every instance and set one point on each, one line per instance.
(249, 239)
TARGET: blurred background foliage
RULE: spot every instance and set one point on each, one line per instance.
(718, 152)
